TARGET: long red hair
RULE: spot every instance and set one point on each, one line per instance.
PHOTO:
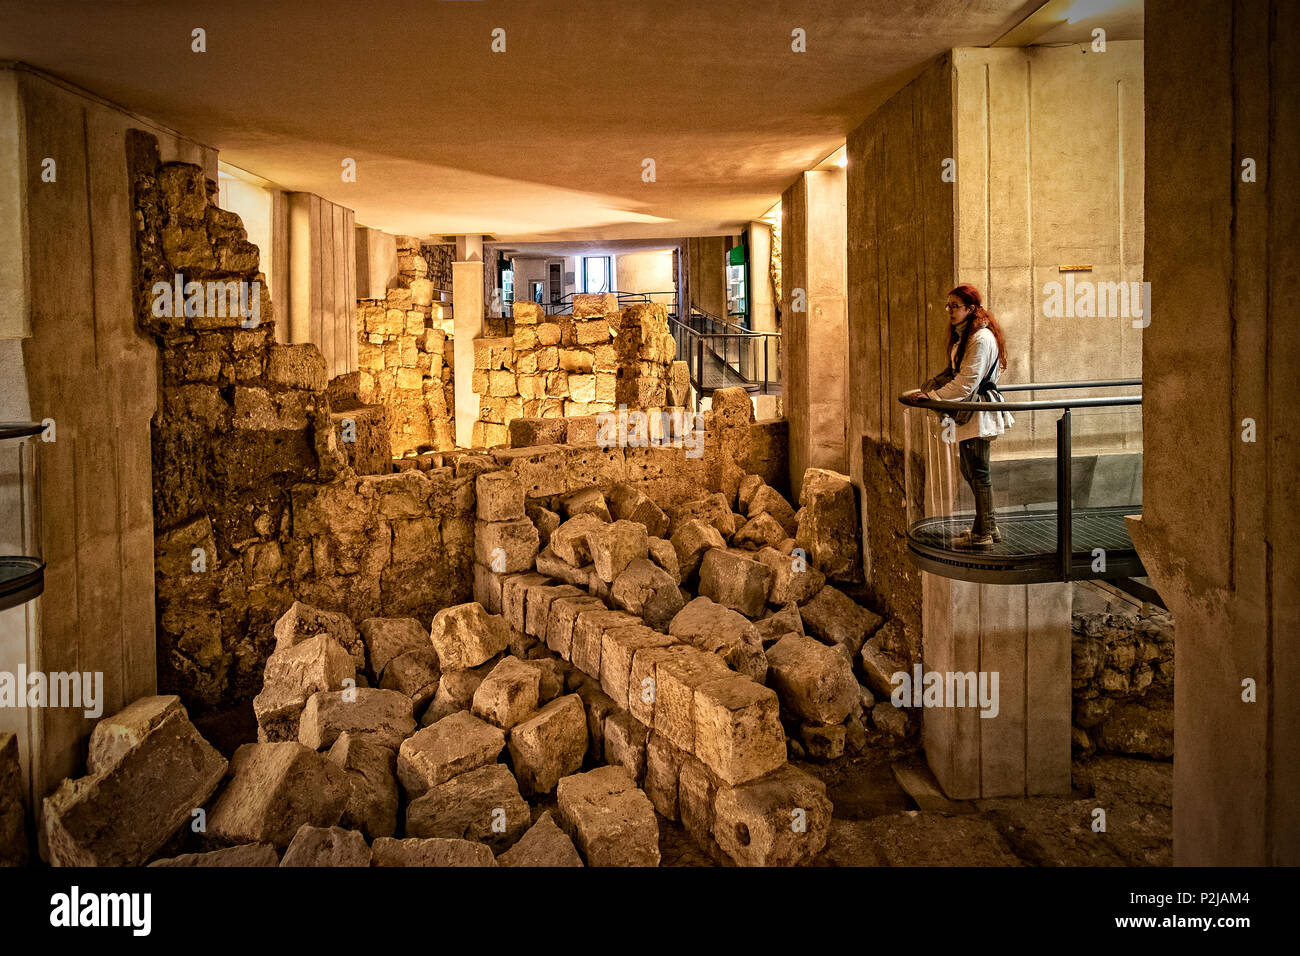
(982, 319)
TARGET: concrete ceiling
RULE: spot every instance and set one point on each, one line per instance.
(542, 142)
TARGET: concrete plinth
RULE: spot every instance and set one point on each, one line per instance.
(1020, 632)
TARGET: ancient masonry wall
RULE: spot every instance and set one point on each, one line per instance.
(566, 366)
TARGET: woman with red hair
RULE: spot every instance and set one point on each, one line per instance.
(976, 358)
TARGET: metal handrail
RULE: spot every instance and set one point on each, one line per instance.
(1064, 444)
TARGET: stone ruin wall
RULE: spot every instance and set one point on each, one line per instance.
(575, 365)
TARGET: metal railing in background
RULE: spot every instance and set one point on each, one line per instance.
(721, 354)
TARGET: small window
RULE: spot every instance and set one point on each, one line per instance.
(595, 274)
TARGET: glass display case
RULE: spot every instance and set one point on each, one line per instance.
(22, 570)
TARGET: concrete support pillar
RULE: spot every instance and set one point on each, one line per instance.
(467, 308)
(815, 323)
(1021, 634)
(762, 307)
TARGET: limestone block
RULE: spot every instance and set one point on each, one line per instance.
(663, 554)
(499, 496)
(577, 361)
(570, 540)
(618, 649)
(581, 430)
(692, 539)
(812, 680)
(715, 629)
(778, 624)
(738, 733)
(612, 823)
(594, 465)
(506, 545)
(454, 745)
(326, 846)
(676, 680)
(648, 591)
(879, 665)
(291, 676)
(389, 637)
(828, 525)
(767, 500)
(274, 789)
(514, 598)
(414, 674)
(541, 468)
(466, 636)
(247, 854)
(148, 769)
(509, 694)
(625, 744)
(528, 432)
(761, 531)
(823, 742)
(525, 338)
(549, 564)
(483, 805)
(545, 844)
(296, 366)
(549, 745)
(582, 388)
(563, 616)
(745, 491)
(303, 622)
(586, 305)
(754, 822)
(790, 586)
(586, 501)
(487, 588)
(548, 360)
(372, 782)
(591, 332)
(614, 546)
(456, 691)
(713, 510)
(551, 675)
(540, 599)
(835, 618)
(384, 715)
(545, 520)
(548, 334)
(735, 581)
(527, 313)
(588, 634)
(387, 851)
(629, 503)
(643, 682)
(13, 829)
(696, 792)
(663, 764)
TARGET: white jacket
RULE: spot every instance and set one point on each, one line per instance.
(981, 355)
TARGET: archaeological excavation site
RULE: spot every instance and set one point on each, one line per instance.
(793, 473)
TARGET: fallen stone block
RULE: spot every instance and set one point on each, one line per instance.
(454, 745)
(13, 828)
(545, 521)
(663, 554)
(892, 720)
(303, 622)
(745, 491)
(430, 852)
(618, 649)
(545, 844)
(612, 823)
(294, 674)
(738, 733)
(835, 618)
(767, 500)
(487, 588)
(563, 616)
(372, 783)
(614, 546)
(514, 598)
(389, 637)
(588, 635)
(625, 744)
(663, 765)
(274, 789)
(692, 539)
(499, 496)
(326, 846)
(247, 854)
(778, 624)
(713, 510)
(735, 581)
(148, 770)
(794, 580)
(528, 432)
(761, 531)
(508, 546)
(696, 791)
(718, 630)
(549, 745)
(414, 674)
(550, 676)
(648, 591)
(509, 694)
(569, 540)
(467, 635)
(812, 680)
(553, 566)
(828, 525)
(386, 716)
(823, 741)
(483, 805)
(782, 819)
(599, 705)
(629, 503)
(586, 501)
(456, 691)
(676, 680)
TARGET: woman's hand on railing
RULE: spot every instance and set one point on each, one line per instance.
(912, 397)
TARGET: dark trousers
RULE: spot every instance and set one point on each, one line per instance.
(973, 455)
